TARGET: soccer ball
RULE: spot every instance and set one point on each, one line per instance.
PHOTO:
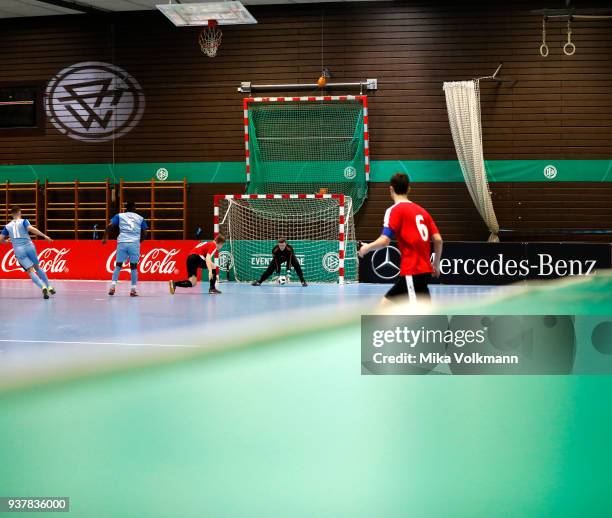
(281, 280)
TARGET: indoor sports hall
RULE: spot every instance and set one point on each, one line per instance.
(229, 230)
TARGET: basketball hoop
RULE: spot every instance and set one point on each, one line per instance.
(210, 38)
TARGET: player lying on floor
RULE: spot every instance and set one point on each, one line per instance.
(18, 230)
(282, 253)
(201, 257)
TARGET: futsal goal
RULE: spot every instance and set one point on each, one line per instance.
(319, 227)
(306, 144)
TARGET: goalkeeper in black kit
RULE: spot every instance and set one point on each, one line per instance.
(282, 253)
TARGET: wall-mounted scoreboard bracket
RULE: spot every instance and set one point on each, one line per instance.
(248, 87)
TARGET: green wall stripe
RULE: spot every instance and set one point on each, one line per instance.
(382, 170)
(195, 172)
(497, 170)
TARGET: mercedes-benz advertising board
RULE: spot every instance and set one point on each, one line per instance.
(496, 263)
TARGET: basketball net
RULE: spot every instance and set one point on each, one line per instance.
(210, 38)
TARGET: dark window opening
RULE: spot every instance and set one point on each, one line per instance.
(21, 109)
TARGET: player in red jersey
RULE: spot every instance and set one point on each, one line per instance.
(201, 257)
(413, 228)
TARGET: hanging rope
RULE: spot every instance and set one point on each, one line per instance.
(544, 47)
(569, 48)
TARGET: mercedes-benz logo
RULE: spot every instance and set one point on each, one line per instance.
(385, 262)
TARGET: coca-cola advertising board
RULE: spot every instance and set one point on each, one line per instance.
(91, 260)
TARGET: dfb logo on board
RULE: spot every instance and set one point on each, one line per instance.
(331, 262)
(94, 101)
(226, 261)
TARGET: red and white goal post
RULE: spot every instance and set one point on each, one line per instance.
(251, 102)
(319, 227)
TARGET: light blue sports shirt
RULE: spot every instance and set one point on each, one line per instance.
(130, 224)
(17, 230)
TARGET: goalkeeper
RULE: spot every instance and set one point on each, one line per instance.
(282, 253)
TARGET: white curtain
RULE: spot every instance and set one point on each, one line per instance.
(463, 105)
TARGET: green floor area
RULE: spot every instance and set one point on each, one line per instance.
(585, 296)
(290, 428)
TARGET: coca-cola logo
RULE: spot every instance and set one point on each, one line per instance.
(155, 261)
(52, 260)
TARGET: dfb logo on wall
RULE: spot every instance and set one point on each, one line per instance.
(350, 172)
(550, 172)
(162, 174)
(94, 101)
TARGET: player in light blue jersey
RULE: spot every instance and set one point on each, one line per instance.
(132, 230)
(18, 230)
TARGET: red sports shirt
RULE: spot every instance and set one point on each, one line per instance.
(412, 227)
(203, 249)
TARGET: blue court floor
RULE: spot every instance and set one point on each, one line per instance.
(82, 323)
(286, 425)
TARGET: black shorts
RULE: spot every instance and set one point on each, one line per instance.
(194, 262)
(410, 287)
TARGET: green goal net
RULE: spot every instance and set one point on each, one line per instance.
(303, 145)
(319, 228)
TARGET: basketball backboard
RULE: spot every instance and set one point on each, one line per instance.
(198, 14)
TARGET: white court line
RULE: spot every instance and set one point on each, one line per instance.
(125, 344)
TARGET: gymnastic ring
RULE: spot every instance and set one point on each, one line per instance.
(544, 50)
(572, 48)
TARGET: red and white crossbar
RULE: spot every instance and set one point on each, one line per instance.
(339, 98)
(341, 216)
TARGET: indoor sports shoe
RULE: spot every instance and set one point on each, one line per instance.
(51, 290)
(171, 287)
(256, 283)
(45, 293)
(214, 291)
(133, 293)
(111, 291)
(304, 284)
